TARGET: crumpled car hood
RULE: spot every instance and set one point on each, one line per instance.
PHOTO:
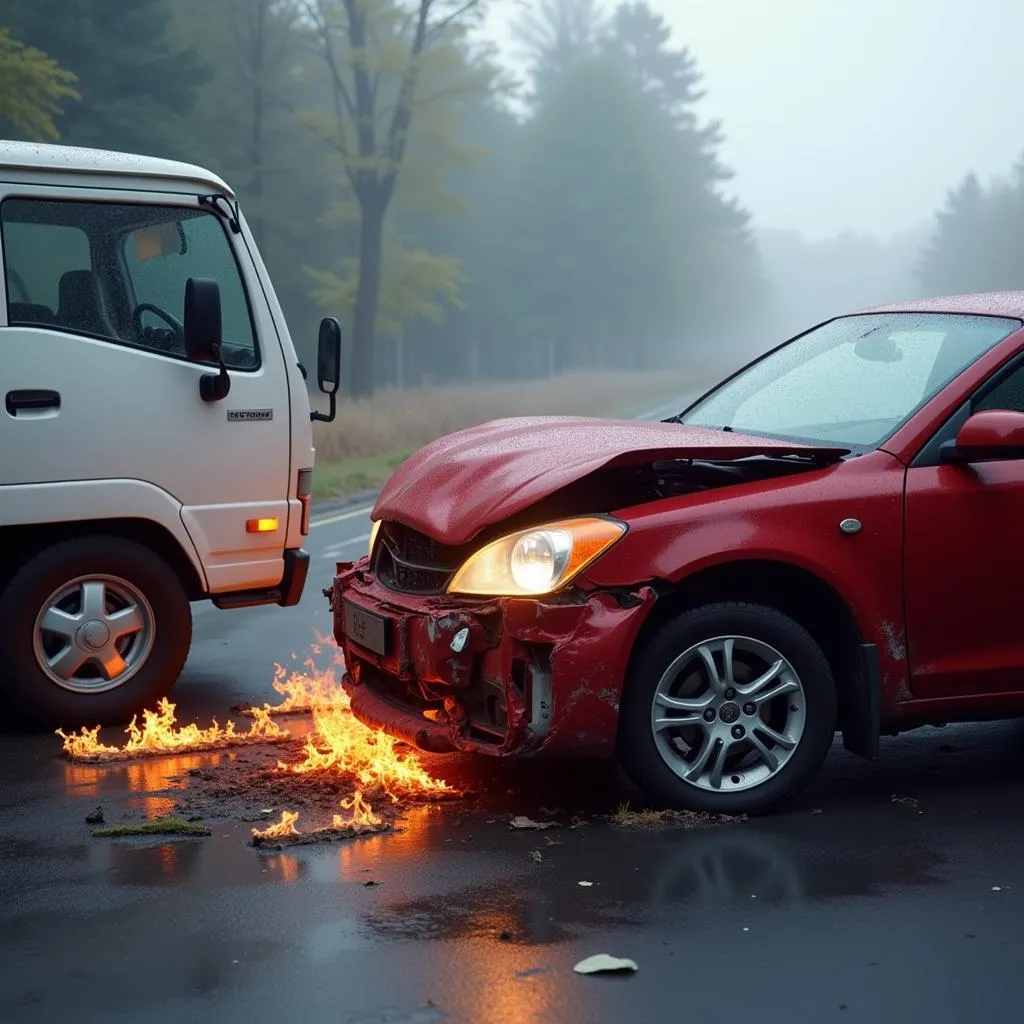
(458, 485)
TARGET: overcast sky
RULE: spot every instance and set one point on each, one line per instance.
(854, 114)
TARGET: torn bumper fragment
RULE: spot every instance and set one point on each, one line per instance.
(499, 676)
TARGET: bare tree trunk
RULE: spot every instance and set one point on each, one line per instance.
(364, 330)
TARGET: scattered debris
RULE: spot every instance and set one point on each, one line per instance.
(96, 818)
(505, 936)
(586, 885)
(648, 819)
(910, 801)
(997, 888)
(537, 856)
(521, 821)
(154, 827)
(370, 882)
(602, 962)
(532, 972)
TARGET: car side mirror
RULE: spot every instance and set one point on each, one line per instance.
(328, 366)
(202, 330)
(991, 435)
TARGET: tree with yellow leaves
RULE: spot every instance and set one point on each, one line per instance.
(32, 88)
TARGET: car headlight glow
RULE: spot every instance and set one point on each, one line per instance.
(374, 530)
(537, 561)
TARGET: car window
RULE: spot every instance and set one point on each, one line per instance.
(852, 381)
(117, 271)
(1007, 394)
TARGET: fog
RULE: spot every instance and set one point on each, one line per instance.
(583, 185)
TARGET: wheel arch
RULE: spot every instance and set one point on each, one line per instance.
(810, 601)
(25, 540)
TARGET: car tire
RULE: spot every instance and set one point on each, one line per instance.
(795, 726)
(111, 604)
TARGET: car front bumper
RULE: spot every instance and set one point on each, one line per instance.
(503, 676)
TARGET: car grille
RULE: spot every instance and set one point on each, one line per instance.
(412, 563)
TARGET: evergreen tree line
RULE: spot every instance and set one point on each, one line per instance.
(574, 219)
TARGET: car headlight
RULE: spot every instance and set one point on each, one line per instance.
(537, 561)
(374, 530)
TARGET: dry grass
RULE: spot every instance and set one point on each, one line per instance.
(648, 819)
(403, 421)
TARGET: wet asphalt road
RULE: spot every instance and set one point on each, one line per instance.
(850, 906)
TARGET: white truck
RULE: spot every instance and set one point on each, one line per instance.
(156, 444)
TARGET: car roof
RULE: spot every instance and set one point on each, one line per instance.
(73, 160)
(985, 303)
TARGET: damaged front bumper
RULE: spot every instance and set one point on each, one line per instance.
(501, 676)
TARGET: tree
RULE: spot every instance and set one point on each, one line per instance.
(389, 64)
(32, 88)
(552, 35)
(957, 257)
(137, 83)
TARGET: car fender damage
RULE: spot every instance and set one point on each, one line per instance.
(504, 676)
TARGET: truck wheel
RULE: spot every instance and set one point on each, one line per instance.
(94, 631)
(729, 709)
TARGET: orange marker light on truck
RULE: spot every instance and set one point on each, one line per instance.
(267, 524)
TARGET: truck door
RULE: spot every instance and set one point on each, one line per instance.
(96, 384)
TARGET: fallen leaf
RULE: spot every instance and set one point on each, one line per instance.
(601, 962)
(537, 856)
(521, 821)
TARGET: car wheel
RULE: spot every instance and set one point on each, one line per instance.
(94, 631)
(729, 708)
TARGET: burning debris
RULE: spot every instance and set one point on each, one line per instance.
(160, 735)
(362, 821)
(338, 752)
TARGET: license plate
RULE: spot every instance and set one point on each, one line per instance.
(366, 629)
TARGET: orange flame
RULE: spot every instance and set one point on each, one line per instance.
(362, 813)
(341, 743)
(160, 735)
(284, 827)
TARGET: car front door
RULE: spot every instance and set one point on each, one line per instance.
(964, 562)
(97, 385)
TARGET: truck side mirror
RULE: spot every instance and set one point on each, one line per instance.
(202, 319)
(328, 366)
(202, 331)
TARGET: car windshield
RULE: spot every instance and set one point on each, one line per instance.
(851, 381)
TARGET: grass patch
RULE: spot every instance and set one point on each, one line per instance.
(154, 827)
(369, 440)
(350, 476)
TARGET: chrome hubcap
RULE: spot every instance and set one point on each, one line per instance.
(728, 714)
(93, 634)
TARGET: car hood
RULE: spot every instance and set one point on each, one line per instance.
(458, 485)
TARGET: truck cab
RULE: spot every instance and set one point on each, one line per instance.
(156, 443)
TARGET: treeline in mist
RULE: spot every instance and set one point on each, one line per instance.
(461, 227)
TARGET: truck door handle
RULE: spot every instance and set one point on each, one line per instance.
(31, 401)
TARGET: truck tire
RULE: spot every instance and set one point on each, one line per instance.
(728, 709)
(93, 631)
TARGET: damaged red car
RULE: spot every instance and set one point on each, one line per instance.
(826, 542)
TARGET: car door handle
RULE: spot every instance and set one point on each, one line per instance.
(31, 401)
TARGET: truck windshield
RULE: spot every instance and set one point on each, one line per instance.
(851, 381)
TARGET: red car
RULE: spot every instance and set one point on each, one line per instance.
(829, 540)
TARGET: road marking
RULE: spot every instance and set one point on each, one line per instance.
(342, 516)
(336, 549)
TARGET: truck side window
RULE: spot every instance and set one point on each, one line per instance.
(117, 271)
